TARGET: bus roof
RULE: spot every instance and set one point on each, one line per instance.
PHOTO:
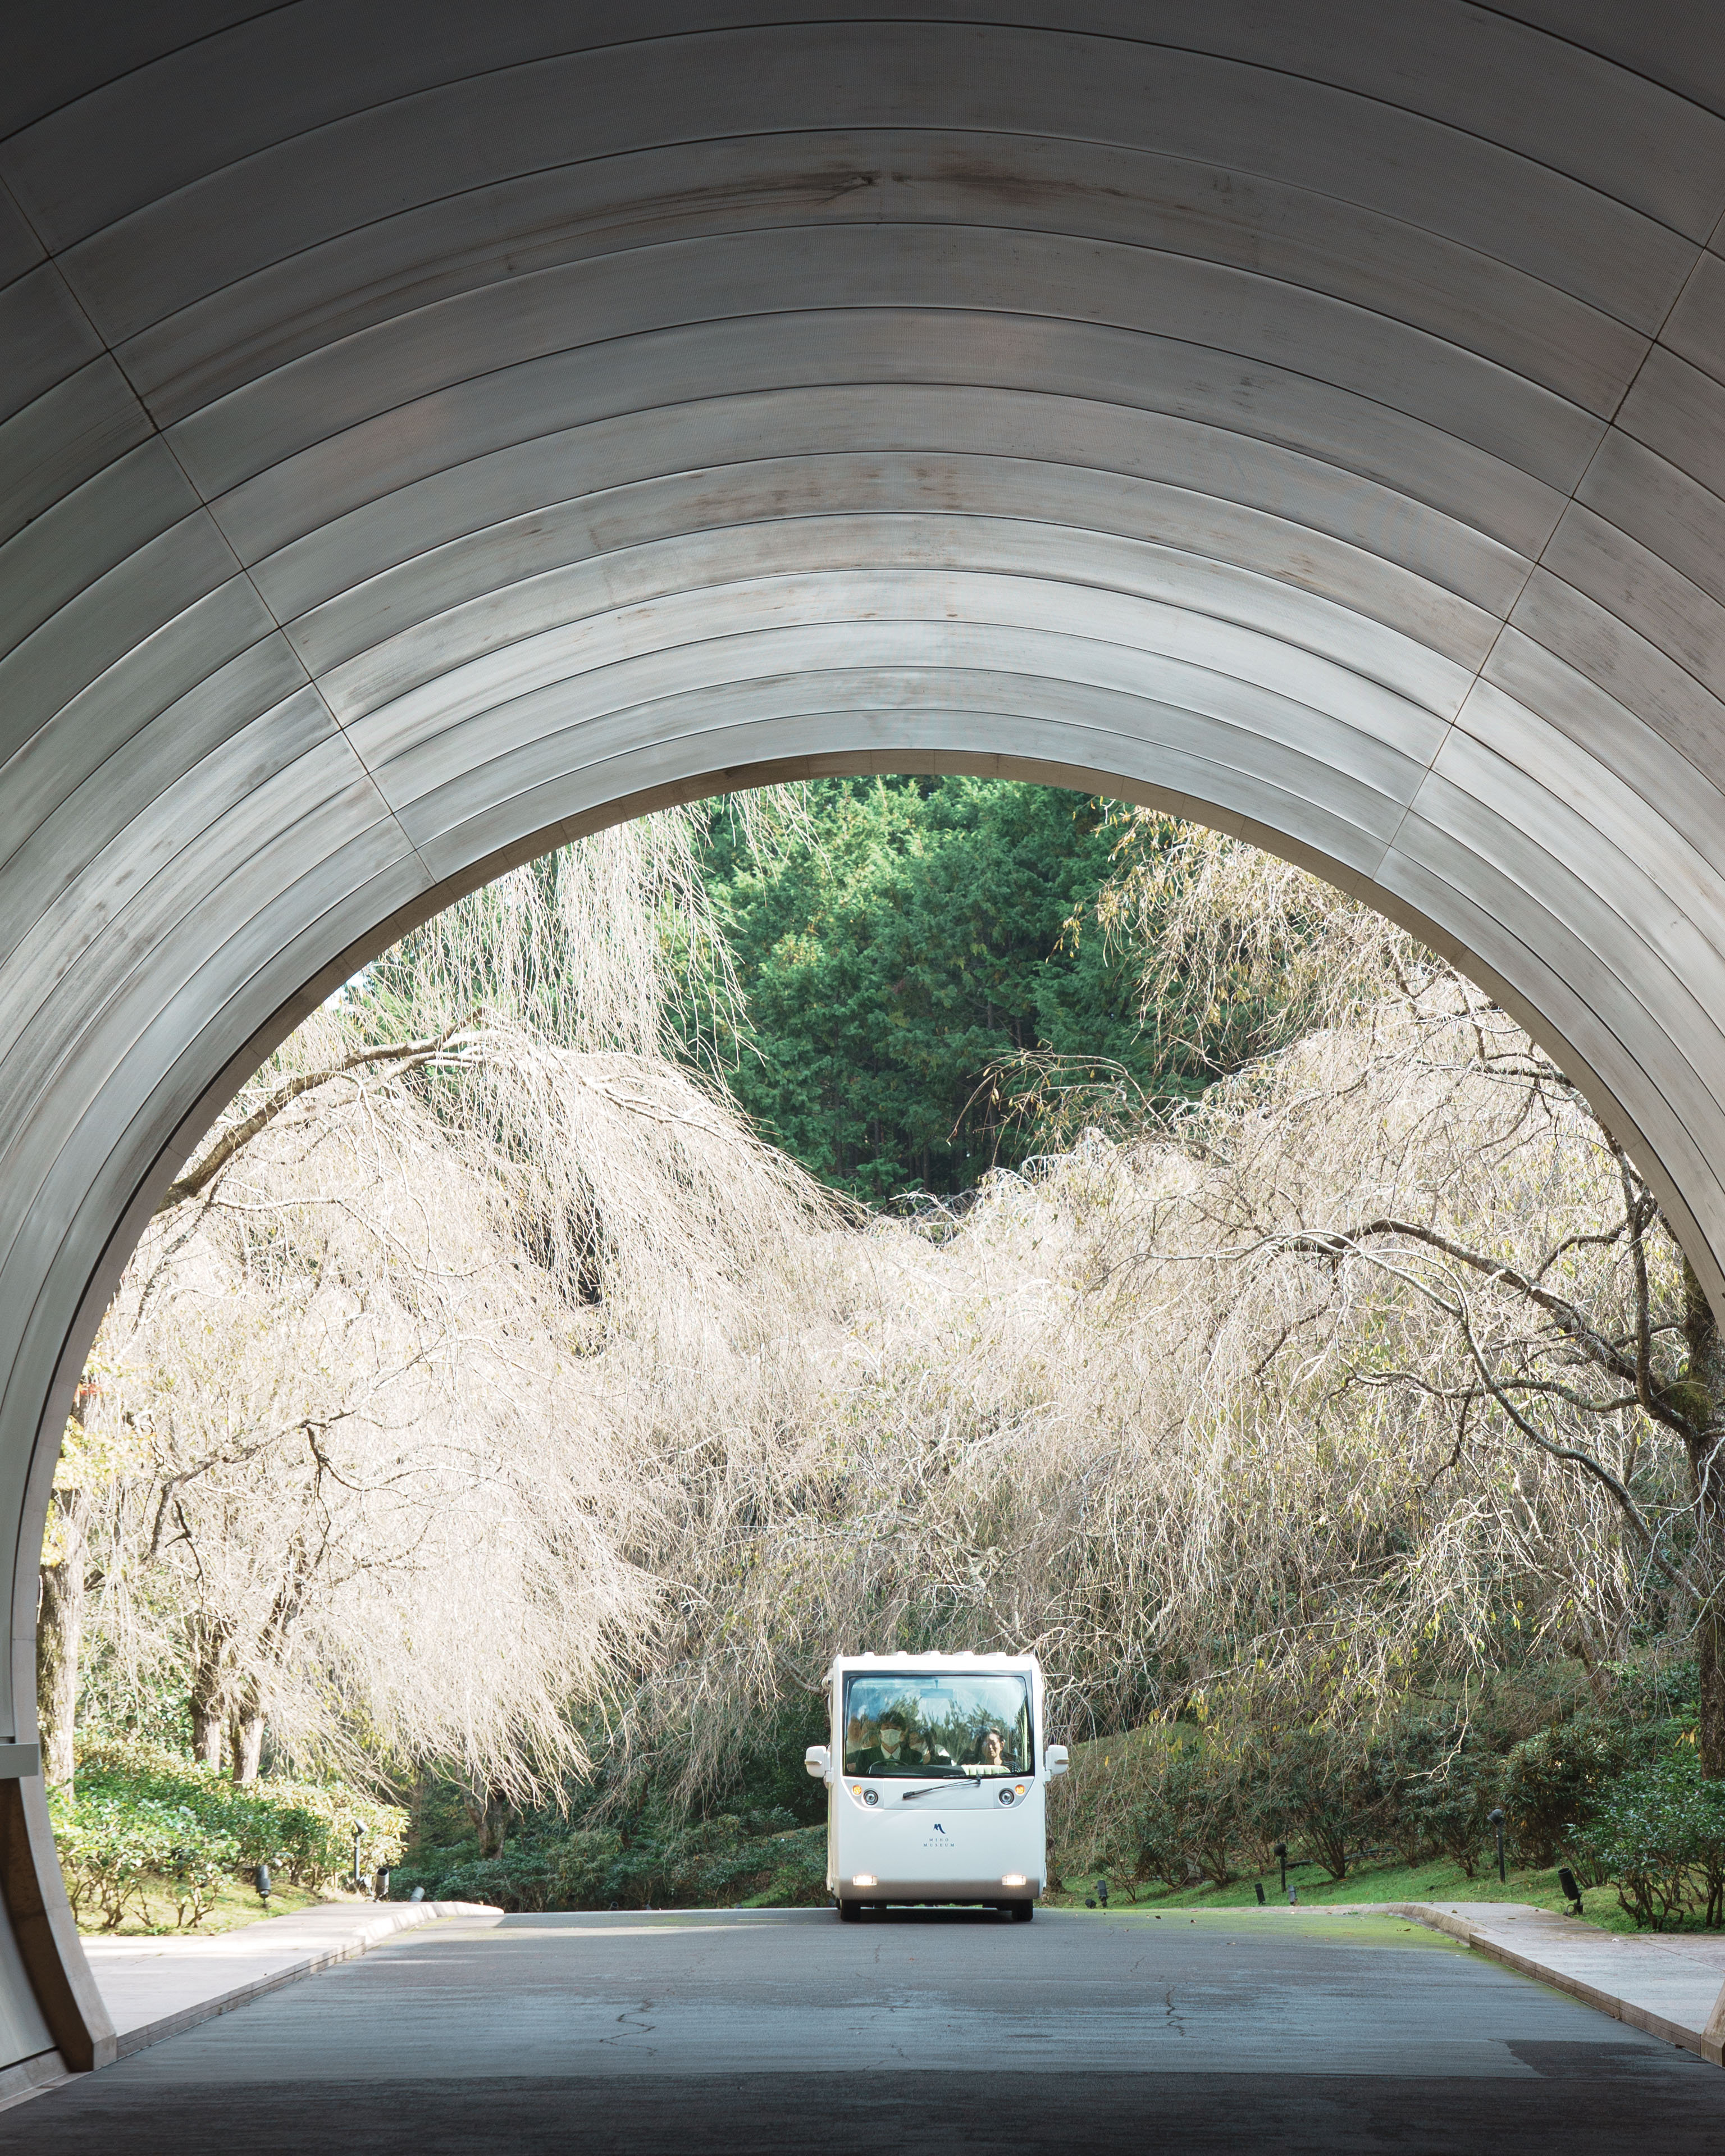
(965, 1661)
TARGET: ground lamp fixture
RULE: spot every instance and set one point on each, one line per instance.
(1495, 1820)
(358, 1881)
(381, 1882)
(1280, 1852)
(261, 1879)
(1567, 1886)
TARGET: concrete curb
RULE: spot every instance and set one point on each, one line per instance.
(391, 1918)
(1707, 2042)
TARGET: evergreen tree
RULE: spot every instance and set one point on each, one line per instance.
(904, 942)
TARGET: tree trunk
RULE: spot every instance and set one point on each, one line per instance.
(1710, 1655)
(206, 1734)
(245, 1728)
(491, 1813)
(246, 1735)
(208, 1715)
(1705, 1375)
(59, 1634)
(1587, 1653)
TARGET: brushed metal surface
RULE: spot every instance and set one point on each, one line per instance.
(279, 268)
(428, 432)
(1478, 539)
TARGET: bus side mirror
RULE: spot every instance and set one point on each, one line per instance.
(1055, 1759)
(818, 1760)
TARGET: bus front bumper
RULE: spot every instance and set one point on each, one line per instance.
(931, 1893)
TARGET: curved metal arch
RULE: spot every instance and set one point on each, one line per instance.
(430, 433)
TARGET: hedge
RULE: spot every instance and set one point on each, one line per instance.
(141, 1820)
(715, 1864)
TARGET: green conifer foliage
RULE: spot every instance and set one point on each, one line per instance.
(912, 937)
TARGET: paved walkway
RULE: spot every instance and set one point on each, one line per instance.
(156, 1987)
(1670, 1983)
(726, 2033)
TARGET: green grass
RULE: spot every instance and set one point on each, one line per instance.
(1327, 1927)
(1390, 1880)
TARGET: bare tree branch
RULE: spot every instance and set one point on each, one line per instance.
(407, 1055)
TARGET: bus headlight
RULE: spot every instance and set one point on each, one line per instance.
(864, 1879)
(871, 1796)
(1010, 1797)
(1015, 1879)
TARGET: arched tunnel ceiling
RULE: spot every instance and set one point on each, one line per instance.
(430, 428)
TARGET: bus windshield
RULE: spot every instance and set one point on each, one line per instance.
(946, 1725)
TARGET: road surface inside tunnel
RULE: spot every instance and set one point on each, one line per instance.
(741, 2030)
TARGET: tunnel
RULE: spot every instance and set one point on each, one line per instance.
(433, 432)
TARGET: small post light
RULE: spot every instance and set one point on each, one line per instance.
(1494, 1819)
(1102, 1893)
(1258, 1888)
(1280, 1852)
(381, 1882)
(1568, 1889)
(358, 1877)
(260, 1879)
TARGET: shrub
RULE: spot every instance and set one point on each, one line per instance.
(1315, 1782)
(302, 1829)
(1434, 1786)
(113, 1849)
(1188, 1824)
(142, 1818)
(1659, 1834)
(1553, 1779)
(518, 1882)
(106, 1856)
(713, 1863)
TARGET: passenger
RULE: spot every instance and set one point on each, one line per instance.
(927, 1749)
(991, 1752)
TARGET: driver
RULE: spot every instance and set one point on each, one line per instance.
(888, 1749)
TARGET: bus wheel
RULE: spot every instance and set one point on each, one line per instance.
(1022, 1911)
(849, 1912)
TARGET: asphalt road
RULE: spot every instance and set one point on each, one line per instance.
(775, 2030)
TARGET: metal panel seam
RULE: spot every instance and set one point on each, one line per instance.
(241, 568)
(1653, 343)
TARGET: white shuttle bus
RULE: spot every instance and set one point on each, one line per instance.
(935, 1774)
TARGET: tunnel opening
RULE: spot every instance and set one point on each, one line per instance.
(1059, 1176)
